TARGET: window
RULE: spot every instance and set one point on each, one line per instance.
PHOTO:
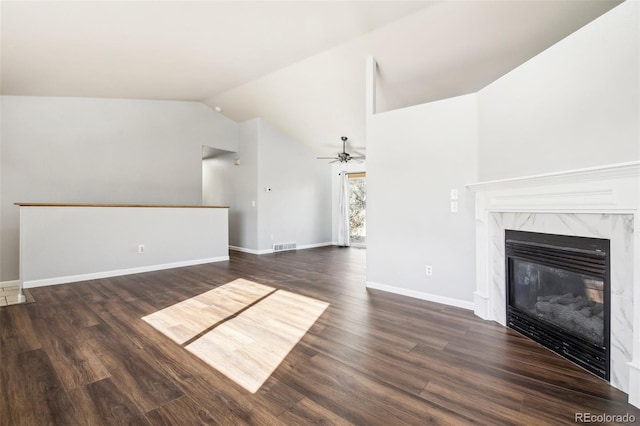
(357, 208)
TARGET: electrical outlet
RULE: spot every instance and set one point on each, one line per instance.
(141, 248)
(454, 194)
(429, 270)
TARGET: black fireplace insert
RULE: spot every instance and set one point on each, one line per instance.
(558, 289)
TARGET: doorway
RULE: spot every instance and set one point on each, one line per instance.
(216, 176)
(358, 209)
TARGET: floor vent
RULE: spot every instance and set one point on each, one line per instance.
(284, 247)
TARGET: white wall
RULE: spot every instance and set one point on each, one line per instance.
(66, 244)
(243, 211)
(101, 150)
(414, 157)
(298, 207)
(575, 105)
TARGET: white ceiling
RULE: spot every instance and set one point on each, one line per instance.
(179, 50)
(298, 64)
(448, 49)
(462, 46)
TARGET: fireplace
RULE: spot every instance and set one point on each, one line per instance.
(558, 291)
(601, 202)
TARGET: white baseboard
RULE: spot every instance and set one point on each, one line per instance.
(118, 272)
(316, 245)
(241, 249)
(481, 305)
(250, 251)
(420, 295)
(269, 251)
(13, 283)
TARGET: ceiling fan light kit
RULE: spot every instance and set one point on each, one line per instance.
(344, 156)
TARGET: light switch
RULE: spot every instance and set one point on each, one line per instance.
(454, 194)
(454, 207)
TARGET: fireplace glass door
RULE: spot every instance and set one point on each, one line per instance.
(557, 294)
(568, 300)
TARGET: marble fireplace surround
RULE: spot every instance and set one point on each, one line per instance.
(599, 202)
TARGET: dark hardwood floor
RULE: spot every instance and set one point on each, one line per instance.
(81, 355)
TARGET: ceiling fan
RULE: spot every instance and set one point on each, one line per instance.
(344, 156)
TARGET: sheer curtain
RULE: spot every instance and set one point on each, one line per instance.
(343, 213)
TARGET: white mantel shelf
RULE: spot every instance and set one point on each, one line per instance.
(602, 201)
(605, 189)
(611, 171)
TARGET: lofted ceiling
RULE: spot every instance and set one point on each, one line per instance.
(298, 64)
(178, 50)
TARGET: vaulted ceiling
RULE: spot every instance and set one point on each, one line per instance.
(299, 64)
(179, 50)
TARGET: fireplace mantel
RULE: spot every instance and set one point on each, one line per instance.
(611, 188)
(601, 201)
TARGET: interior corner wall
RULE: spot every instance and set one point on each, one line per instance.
(243, 208)
(415, 156)
(86, 150)
(574, 105)
(298, 207)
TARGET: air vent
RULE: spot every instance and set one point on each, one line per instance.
(284, 247)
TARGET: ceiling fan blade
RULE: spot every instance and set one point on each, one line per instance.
(326, 158)
(358, 157)
(334, 161)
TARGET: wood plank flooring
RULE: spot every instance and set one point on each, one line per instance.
(248, 348)
(10, 296)
(188, 318)
(82, 355)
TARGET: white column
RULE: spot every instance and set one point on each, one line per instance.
(634, 365)
(481, 298)
(21, 296)
(370, 89)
